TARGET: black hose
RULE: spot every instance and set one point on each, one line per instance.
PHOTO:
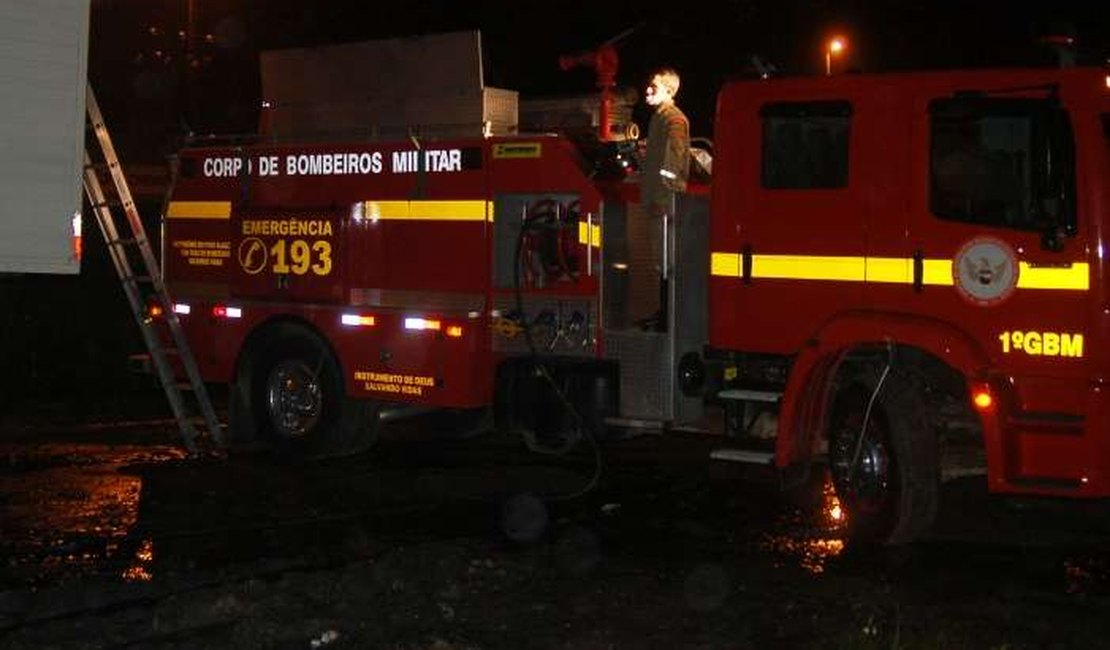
(526, 226)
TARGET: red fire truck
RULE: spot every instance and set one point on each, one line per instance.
(879, 256)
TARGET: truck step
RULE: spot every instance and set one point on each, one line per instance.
(749, 456)
(742, 395)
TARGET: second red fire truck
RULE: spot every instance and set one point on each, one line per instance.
(878, 256)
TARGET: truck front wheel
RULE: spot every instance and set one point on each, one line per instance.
(298, 400)
(883, 458)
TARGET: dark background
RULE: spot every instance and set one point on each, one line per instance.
(138, 54)
(64, 341)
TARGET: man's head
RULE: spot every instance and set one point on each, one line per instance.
(662, 87)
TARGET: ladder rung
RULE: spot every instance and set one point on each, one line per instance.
(100, 166)
(138, 278)
(140, 363)
(123, 241)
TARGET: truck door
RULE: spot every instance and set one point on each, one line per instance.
(997, 249)
(789, 210)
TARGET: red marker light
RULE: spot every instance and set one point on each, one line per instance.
(77, 247)
(224, 311)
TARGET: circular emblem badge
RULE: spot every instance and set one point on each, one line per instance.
(252, 255)
(985, 271)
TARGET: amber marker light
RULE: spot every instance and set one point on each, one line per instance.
(982, 399)
(455, 331)
(358, 320)
(421, 324)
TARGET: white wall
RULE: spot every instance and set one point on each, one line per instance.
(43, 51)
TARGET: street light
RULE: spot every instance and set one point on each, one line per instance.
(836, 45)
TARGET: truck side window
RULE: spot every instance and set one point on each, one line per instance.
(805, 144)
(1000, 162)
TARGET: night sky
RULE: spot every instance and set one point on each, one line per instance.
(139, 71)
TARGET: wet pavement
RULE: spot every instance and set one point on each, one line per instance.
(93, 520)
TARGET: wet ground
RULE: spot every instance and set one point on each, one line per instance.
(111, 537)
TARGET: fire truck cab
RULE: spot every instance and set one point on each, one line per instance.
(895, 255)
(883, 264)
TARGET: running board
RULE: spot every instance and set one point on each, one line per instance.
(749, 456)
(767, 396)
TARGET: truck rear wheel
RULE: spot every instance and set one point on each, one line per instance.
(883, 461)
(298, 400)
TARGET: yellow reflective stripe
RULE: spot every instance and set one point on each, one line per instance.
(808, 267)
(888, 269)
(386, 209)
(448, 210)
(589, 235)
(937, 273)
(429, 210)
(198, 210)
(724, 264)
(1074, 276)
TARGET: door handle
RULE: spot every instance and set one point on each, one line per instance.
(918, 271)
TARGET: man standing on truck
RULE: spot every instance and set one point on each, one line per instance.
(664, 172)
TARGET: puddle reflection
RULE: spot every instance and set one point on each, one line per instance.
(139, 571)
(810, 540)
(59, 518)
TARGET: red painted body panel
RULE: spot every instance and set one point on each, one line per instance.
(433, 268)
(1049, 432)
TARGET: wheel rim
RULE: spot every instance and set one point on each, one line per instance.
(294, 399)
(869, 487)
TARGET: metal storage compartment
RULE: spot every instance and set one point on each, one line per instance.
(428, 85)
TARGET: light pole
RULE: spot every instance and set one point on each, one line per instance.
(836, 45)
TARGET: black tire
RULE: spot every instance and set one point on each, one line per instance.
(889, 481)
(242, 431)
(298, 403)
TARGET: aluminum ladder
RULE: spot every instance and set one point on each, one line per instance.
(134, 251)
